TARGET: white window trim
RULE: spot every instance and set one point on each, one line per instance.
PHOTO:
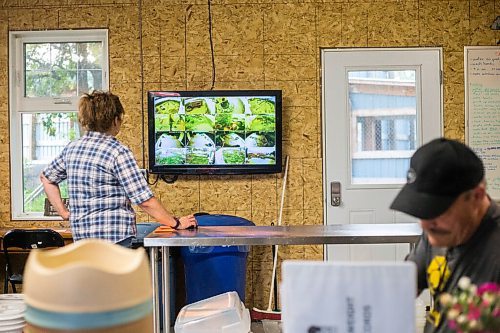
(18, 104)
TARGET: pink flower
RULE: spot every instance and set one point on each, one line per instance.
(488, 287)
(473, 309)
(474, 313)
(486, 302)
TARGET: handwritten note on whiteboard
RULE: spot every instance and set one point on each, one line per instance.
(482, 109)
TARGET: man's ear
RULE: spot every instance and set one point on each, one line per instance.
(480, 191)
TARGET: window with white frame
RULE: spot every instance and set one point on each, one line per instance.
(49, 71)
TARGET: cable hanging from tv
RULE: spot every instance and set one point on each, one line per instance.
(169, 179)
(211, 43)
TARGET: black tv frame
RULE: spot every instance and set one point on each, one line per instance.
(226, 169)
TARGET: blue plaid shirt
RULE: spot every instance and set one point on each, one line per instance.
(103, 181)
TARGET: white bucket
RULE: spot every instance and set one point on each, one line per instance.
(12, 309)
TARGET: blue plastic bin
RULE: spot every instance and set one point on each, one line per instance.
(213, 270)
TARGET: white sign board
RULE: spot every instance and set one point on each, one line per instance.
(482, 110)
(348, 297)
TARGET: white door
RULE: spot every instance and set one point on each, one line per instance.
(379, 106)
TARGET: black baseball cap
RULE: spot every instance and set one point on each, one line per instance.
(439, 172)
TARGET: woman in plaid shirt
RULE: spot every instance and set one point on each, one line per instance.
(103, 177)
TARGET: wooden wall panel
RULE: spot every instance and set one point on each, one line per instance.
(258, 44)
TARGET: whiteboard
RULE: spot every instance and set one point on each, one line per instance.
(482, 109)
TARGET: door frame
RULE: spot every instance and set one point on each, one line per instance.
(421, 139)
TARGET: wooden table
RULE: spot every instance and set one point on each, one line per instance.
(263, 235)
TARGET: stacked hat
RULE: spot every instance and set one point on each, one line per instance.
(12, 310)
(439, 172)
(88, 286)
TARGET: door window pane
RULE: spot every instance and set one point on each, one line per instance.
(383, 110)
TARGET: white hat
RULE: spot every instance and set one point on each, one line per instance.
(90, 284)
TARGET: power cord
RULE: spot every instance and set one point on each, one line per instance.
(142, 86)
(169, 179)
(211, 43)
(155, 181)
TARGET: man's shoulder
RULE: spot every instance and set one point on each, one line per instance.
(493, 224)
(493, 212)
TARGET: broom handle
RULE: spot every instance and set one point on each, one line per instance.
(283, 191)
(275, 258)
(273, 277)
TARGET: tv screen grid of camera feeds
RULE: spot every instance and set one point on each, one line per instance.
(215, 130)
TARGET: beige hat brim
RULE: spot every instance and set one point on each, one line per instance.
(87, 276)
(144, 325)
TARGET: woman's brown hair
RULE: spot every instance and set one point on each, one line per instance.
(98, 110)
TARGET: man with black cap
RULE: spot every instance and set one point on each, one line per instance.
(446, 190)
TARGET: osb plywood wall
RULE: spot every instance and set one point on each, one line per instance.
(258, 44)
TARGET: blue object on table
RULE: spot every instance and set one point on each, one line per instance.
(213, 270)
(144, 229)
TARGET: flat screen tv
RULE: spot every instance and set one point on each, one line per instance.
(214, 132)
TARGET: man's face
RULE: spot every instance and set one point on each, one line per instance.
(454, 226)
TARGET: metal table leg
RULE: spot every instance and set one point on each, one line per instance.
(165, 266)
(153, 257)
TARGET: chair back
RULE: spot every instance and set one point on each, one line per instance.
(28, 239)
(25, 239)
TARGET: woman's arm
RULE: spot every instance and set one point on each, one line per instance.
(154, 208)
(54, 196)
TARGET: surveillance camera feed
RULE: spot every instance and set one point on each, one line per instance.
(220, 132)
